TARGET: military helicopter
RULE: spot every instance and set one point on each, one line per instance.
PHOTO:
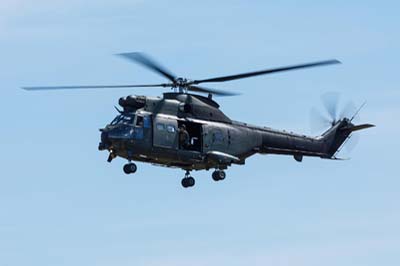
(187, 130)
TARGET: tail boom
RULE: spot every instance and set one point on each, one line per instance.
(324, 146)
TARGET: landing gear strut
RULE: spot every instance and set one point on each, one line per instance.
(188, 181)
(111, 156)
(218, 175)
(130, 168)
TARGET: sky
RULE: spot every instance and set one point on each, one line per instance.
(61, 203)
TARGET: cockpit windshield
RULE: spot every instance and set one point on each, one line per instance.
(123, 119)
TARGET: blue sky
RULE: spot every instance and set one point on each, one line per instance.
(61, 203)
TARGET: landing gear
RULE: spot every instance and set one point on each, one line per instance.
(218, 175)
(188, 181)
(130, 168)
(111, 156)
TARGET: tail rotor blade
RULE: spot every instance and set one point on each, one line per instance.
(318, 122)
(330, 101)
(348, 111)
(351, 144)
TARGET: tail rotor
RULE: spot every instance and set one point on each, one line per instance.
(333, 114)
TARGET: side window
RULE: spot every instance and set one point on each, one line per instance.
(170, 129)
(160, 127)
(146, 121)
(139, 121)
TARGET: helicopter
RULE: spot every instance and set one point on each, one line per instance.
(184, 129)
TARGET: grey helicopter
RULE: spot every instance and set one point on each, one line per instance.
(184, 129)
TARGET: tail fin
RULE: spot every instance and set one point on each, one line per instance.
(335, 137)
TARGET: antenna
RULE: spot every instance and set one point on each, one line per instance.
(359, 109)
(119, 111)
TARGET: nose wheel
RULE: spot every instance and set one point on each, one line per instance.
(218, 175)
(188, 181)
(130, 168)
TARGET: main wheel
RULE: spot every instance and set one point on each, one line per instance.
(221, 175)
(185, 182)
(188, 182)
(215, 176)
(218, 175)
(130, 168)
(191, 181)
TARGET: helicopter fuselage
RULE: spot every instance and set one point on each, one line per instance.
(148, 131)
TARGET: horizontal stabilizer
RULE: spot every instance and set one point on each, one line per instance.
(358, 127)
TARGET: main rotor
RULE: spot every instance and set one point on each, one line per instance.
(184, 85)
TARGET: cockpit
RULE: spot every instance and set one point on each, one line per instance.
(138, 120)
(123, 119)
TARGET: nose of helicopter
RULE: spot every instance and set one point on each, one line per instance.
(113, 136)
(104, 136)
(104, 139)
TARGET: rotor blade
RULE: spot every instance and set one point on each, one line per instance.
(94, 87)
(212, 91)
(330, 101)
(149, 63)
(267, 71)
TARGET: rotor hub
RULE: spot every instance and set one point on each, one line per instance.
(181, 82)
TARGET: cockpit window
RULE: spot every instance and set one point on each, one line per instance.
(123, 119)
(115, 120)
(127, 119)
